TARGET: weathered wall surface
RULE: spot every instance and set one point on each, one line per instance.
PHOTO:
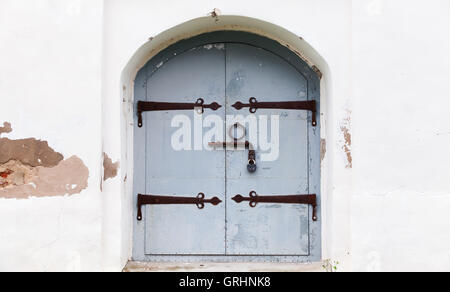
(401, 135)
(50, 147)
(384, 148)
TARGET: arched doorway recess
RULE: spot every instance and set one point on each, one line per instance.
(227, 68)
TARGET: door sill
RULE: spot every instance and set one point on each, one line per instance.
(132, 267)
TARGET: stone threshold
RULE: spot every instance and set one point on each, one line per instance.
(222, 267)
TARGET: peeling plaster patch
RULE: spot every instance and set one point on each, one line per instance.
(110, 169)
(347, 147)
(30, 168)
(216, 13)
(323, 149)
(346, 142)
(69, 177)
(30, 152)
(6, 128)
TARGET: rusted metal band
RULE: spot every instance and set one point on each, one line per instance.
(149, 106)
(235, 145)
(200, 201)
(252, 167)
(254, 105)
(254, 200)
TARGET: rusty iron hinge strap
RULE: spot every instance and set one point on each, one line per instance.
(200, 201)
(254, 105)
(148, 106)
(254, 200)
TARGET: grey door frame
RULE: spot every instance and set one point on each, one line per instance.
(313, 139)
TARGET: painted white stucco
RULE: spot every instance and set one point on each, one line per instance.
(67, 68)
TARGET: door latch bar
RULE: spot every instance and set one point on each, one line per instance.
(200, 201)
(251, 167)
(150, 106)
(254, 200)
(254, 105)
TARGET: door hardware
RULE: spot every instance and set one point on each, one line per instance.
(200, 201)
(254, 105)
(251, 167)
(147, 106)
(235, 127)
(254, 200)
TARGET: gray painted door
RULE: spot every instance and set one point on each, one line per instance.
(268, 229)
(184, 229)
(226, 73)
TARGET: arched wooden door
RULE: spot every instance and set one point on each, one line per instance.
(199, 201)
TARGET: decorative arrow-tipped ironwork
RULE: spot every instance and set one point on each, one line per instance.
(200, 201)
(254, 105)
(147, 106)
(254, 200)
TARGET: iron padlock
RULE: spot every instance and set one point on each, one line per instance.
(251, 167)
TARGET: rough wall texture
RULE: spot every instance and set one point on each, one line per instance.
(389, 57)
(110, 169)
(346, 140)
(30, 168)
(69, 177)
(6, 128)
(401, 201)
(30, 152)
(50, 88)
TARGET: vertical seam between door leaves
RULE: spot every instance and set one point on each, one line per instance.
(226, 161)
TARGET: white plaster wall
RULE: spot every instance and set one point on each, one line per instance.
(401, 86)
(50, 88)
(382, 59)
